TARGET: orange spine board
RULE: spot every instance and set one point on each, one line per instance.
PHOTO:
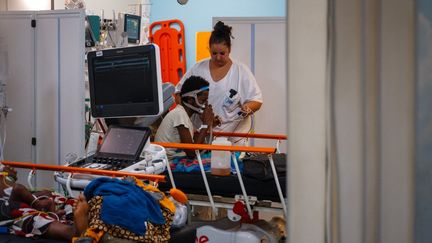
(171, 42)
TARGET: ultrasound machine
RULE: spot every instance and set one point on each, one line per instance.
(124, 82)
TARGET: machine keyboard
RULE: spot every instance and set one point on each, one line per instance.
(113, 163)
(105, 163)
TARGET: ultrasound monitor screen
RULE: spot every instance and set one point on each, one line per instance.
(124, 142)
(132, 71)
(125, 82)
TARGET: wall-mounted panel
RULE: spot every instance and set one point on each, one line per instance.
(46, 87)
(20, 125)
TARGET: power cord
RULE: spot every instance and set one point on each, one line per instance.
(241, 117)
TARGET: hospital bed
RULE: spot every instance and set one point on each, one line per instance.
(65, 169)
(202, 188)
(224, 191)
(262, 189)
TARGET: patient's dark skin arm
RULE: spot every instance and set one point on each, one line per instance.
(59, 231)
(20, 193)
(185, 137)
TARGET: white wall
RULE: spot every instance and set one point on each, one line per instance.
(197, 15)
(28, 5)
(96, 6)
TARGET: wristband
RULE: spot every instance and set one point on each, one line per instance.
(203, 126)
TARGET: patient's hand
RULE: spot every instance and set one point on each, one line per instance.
(217, 121)
(81, 209)
(207, 116)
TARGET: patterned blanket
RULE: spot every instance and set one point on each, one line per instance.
(182, 163)
(23, 220)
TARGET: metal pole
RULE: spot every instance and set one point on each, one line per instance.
(170, 175)
(249, 209)
(276, 178)
(205, 181)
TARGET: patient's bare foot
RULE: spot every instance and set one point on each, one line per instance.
(81, 215)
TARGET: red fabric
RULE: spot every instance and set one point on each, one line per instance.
(241, 210)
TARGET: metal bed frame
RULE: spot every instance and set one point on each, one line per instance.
(247, 199)
(203, 200)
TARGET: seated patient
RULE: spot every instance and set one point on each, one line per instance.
(40, 214)
(177, 126)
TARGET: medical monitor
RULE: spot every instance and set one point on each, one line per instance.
(124, 142)
(94, 23)
(132, 26)
(92, 30)
(125, 82)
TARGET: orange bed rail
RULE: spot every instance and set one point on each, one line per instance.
(251, 135)
(156, 178)
(192, 146)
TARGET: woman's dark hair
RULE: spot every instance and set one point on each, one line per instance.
(221, 34)
(193, 83)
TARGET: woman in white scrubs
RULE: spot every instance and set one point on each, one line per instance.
(234, 93)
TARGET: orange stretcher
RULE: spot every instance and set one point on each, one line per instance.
(171, 42)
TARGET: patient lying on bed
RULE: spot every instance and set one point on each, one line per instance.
(41, 214)
(111, 214)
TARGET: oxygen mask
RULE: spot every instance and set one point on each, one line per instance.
(198, 107)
